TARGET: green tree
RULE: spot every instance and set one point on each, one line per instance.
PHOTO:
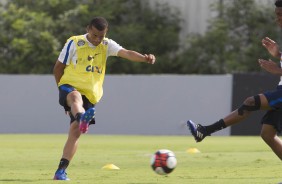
(26, 45)
(232, 42)
(33, 32)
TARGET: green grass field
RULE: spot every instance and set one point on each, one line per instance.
(242, 160)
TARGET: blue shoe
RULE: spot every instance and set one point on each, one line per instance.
(61, 175)
(198, 131)
(85, 119)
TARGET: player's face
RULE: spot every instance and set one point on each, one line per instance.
(278, 12)
(95, 36)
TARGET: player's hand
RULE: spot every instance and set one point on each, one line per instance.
(150, 58)
(271, 46)
(270, 66)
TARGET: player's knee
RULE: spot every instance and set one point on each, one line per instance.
(250, 101)
(250, 104)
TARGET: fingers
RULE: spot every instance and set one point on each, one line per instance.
(260, 61)
(267, 38)
(267, 41)
(150, 58)
(264, 63)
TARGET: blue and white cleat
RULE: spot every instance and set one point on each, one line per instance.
(85, 119)
(61, 175)
(198, 131)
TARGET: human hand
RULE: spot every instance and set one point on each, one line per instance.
(150, 58)
(270, 66)
(271, 46)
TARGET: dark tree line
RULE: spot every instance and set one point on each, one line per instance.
(32, 34)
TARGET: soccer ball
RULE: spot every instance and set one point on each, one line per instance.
(163, 162)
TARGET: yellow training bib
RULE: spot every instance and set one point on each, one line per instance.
(88, 74)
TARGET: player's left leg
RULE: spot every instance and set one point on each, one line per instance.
(253, 103)
(72, 141)
(68, 152)
(269, 135)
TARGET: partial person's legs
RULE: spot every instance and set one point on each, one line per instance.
(80, 122)
(269, 135)
(72, 141)
(242, 113)
(254, 103)
(75, 102)
(68, 152)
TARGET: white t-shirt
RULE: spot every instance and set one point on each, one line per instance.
(69, 51)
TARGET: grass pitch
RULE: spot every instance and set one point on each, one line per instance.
(34, 158)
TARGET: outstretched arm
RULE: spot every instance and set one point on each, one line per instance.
(136, 56)
(272, 47)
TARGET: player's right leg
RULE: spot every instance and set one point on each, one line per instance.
(269, 135)
(85, 119)
(272, 121)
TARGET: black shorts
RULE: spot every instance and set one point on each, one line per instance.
(274, 117)
(64, 90)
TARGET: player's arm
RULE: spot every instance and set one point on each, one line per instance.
(272, 47)
(66, 54)
(136, 56)
(58, 71)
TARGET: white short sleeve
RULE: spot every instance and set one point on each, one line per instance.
(113, 48)
(68, 53)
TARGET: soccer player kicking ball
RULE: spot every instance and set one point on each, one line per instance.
(79, 73)
(270, 101)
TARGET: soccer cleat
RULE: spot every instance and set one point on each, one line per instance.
(198, 131)
(85, 119)
(61, 175)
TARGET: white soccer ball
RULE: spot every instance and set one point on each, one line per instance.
(163, 162)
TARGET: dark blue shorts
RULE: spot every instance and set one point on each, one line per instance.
(274, 98)
(64, 90)
(274, 116)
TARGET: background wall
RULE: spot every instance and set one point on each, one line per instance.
(149, 104)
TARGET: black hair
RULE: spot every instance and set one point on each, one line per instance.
(99, 23)
(278, 3)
